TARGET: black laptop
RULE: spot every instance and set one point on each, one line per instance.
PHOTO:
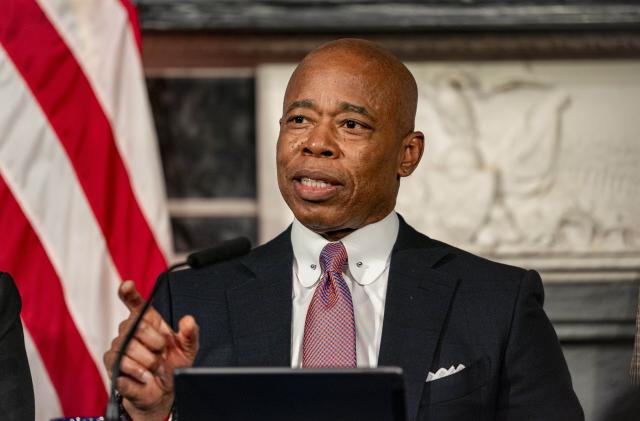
(265, 394)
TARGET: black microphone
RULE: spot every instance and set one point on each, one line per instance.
(225, 250)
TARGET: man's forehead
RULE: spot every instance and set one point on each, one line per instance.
(349, 71)
(338, 83)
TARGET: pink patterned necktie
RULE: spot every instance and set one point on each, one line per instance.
(329, 329)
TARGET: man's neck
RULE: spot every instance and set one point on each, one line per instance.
(336, 235)
(339, 234)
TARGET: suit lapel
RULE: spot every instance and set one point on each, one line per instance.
(416, 308)
(260, 307)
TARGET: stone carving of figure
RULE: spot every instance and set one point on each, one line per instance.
(481, 190)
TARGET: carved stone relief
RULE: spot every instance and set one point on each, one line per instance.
(524, 160)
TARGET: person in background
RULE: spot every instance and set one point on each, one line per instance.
(16, 389)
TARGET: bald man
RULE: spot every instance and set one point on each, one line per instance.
(349, 283)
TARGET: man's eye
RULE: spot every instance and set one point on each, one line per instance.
(298, 119)
(352, 124)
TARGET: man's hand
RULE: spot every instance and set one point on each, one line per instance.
(156, 350)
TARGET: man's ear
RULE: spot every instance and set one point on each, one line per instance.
(412, 148)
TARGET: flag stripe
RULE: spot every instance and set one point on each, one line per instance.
(53, 200)
(133, 21)
(65, 95)
(100, 37)
(65, 356)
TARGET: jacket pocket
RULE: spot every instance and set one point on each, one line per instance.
(459, 384)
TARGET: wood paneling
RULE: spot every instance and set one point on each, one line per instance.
(206, 49)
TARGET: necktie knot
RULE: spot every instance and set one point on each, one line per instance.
(333, 257)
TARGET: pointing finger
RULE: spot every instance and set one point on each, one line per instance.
(130, 296)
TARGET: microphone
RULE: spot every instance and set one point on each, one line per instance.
(225, 250)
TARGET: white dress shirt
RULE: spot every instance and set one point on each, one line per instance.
(369, 254)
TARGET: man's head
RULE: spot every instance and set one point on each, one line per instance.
(347, 136)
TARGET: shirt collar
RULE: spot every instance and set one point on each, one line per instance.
(369, 250)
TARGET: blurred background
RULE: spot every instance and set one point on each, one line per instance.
(531, 113)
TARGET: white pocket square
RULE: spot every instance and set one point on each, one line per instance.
(443, 372)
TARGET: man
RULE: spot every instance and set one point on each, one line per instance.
(16, 390)
(350, 283)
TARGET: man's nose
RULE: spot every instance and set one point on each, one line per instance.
(321, 143)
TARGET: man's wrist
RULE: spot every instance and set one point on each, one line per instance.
(130, 412)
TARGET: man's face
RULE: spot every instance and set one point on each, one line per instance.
(339, 148)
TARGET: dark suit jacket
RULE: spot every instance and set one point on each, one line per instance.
(444, 306)
(16, 390)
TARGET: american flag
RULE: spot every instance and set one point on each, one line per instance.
(82, 201)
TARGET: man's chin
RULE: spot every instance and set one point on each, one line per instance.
(331, 226)
(317, 220)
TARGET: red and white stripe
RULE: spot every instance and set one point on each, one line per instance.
(82, 202)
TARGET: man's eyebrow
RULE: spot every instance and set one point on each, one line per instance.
(303, 103)
(345, 106)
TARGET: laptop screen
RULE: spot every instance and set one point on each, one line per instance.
(283, 394)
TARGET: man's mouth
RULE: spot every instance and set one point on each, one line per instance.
(315, 189)
(316, 184)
